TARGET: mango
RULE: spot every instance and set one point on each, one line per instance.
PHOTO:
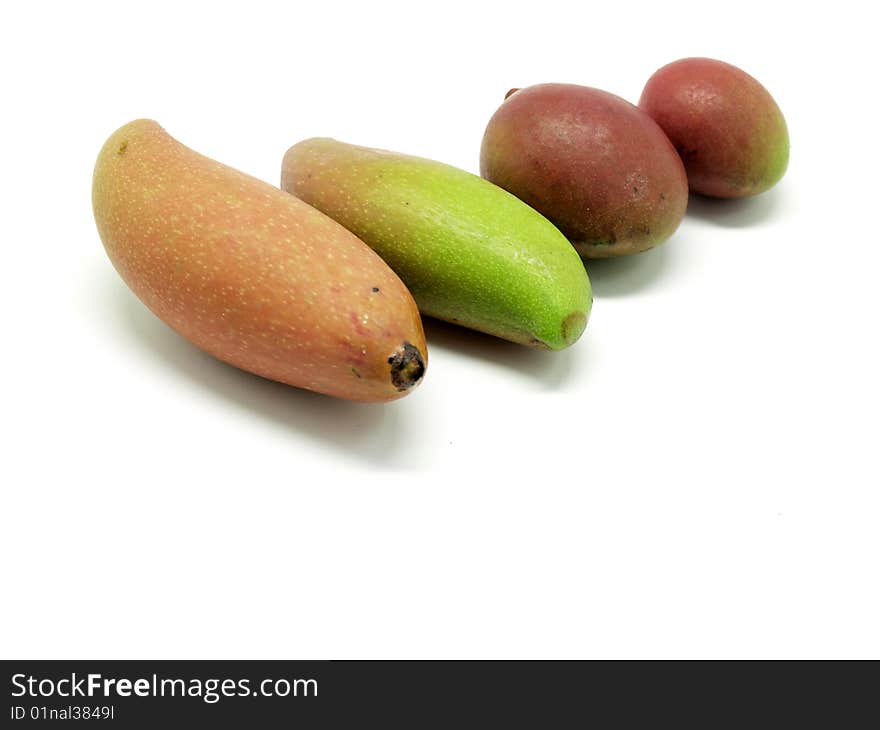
(468, 251)
(726, 126)
(252, 275)
(599, 168)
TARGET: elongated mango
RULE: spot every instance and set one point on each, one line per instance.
(469, 252)
(252, 275)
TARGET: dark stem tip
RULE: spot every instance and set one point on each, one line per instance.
(407, 367)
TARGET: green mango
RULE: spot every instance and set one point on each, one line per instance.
(470, 252)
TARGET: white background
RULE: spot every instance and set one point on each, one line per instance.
(697, 477)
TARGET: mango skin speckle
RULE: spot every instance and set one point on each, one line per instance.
(726, 126)
(470, 253)
(250, 274)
